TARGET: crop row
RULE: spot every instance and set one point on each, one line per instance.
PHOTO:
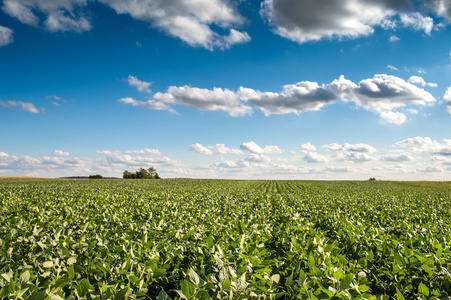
(218, 239)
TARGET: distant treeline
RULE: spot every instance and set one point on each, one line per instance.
(150, 173)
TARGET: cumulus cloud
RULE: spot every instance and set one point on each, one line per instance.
(382, 94)
(447, 98)
(258, 158)
(430, 169)
(337, 169)
(358, 153)
(346, 147)
(19, 105)
(420, 81)
(60, 153)
(398, 157)
(295, 98)
(198, 148)
(64, 15)
(306, 147)
(418, 22)
(6, 36)
(32, 166)
(203, 99)
(216, 149)
(304, 21)
(428, 145)
(393, 38)
(142, 86)
(145, 151)
(217, 99)
(191, 21)
(393, 117)
(313, 157)
(150, 104)
(254, 148)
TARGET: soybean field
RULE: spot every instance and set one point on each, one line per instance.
(224, 239)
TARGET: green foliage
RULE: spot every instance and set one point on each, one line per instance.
(215, 239)
(150, 173)
(97, 176)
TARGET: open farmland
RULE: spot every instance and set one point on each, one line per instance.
(223, 239)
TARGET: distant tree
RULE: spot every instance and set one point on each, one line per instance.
(97, 176)
(150, 173)
(372, 179)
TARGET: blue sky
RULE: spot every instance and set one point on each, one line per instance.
(274, 89)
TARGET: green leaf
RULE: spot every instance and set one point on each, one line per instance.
(121, 294)
(399, 296)
(83, 287)
(439, 251)
(227, 284)
(302, 279)
(346, 282)
(37, 296)
(210, 242)
(70, 272)
(24, 277)
(187, 288)
(163, 296)
(47, 264)
(193, 277)
(422, 289)
(363, 288)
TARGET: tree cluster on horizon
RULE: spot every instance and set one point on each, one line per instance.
(150, 173)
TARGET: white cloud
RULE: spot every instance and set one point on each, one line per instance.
(426, 144)
(295, 98)
(306, 147)
(142, 86)
(150, 104)
(29, 166)
(258, 158)
(25, 106)
(430, 169)
(313, 157)
(358, 153)
(191, 21)
(66, 15)
(399, 157)
(217, 99)
(198, 148)
(346, 147)
(303, 21)
(393, 117)
(417, 22)
(393, 38)
(337, 169)
(392, 68)
(420, 81)
(441, 159)
(447, 98)
(145, 151)
(382, 94)
(60, 153)
(222, 149)
(6, 36)
(216, 149)
(254, 148)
